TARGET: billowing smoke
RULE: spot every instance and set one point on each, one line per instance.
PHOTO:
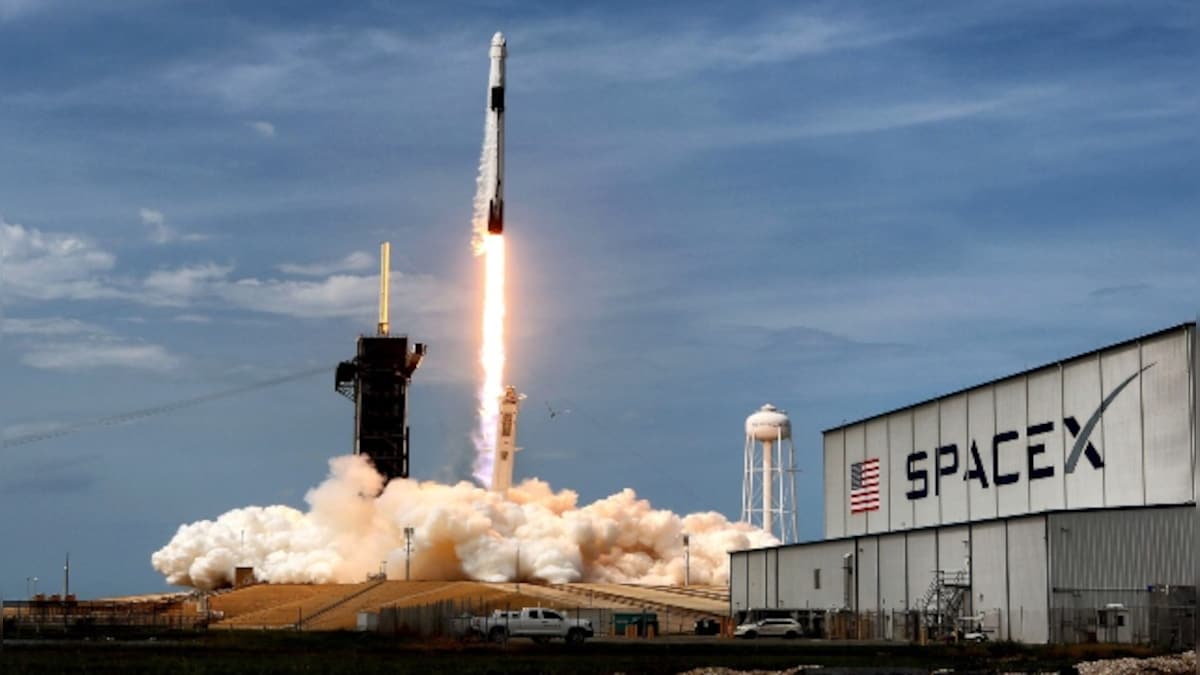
(461, 532)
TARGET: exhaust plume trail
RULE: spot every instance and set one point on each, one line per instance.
(491, 357)
(488, 240)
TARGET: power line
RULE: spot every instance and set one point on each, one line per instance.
(143, 413)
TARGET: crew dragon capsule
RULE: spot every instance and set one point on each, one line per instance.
(499, 52)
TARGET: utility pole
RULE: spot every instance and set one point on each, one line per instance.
(687, 560)
(408, 535)
(67, 577)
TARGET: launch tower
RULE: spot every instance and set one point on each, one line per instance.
(377, 381)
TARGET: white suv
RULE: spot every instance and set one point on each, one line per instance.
(788, 628)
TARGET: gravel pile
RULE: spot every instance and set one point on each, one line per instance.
(1184, 664)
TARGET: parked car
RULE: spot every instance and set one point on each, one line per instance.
(707, 626)
(788, 628)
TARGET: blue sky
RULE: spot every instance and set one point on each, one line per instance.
(838, 208)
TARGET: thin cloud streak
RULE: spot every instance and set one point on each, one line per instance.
(77, 356)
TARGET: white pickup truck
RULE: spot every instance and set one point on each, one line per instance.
(538, 623)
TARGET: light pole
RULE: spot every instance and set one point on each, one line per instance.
(408, 535)
(31, 582)
(687, 560)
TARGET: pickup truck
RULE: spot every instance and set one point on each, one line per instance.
(537, 623)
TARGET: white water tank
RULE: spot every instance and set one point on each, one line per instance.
(768, 424)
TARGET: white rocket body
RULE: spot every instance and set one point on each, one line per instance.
(495, 190)
(506, 440)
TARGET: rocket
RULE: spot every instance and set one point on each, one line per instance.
(499, 52)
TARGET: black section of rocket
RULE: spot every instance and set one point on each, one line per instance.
(498, 53)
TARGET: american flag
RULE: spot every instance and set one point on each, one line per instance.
(864, 486)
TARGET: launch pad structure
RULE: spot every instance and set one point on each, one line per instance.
(377, 380)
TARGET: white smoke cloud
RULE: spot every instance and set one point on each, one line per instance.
(462, 532)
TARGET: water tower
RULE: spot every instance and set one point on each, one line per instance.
(769, 485)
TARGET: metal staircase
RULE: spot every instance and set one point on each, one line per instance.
(944, 601)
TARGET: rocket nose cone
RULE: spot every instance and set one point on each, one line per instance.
(498, 39)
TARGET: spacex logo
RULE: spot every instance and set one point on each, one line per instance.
(949, 461)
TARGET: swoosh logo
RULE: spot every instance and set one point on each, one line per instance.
(1085, 433)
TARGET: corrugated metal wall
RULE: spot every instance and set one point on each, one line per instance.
(1123, 550)
(1003, 448)
(739, 581)
(798, 567)
(1028, 604)
(920, 562)
(989, 573)
(867, 594)
(1114, 557)
(1028, 567)
(893, 586)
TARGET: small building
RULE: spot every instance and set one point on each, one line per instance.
(1045, 506)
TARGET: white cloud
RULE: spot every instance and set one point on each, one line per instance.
(48, 266)
(152, 217)
(264, 128)
(177, 287)
(160, 232)
(193, 318)
(605, 53)
(157, 222)
(47, 326)
(59, 343)
(91, 355)
(336, 296)
(354, 262)
(28, 429)
(12, 9)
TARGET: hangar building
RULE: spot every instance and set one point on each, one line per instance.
(1053, 505)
